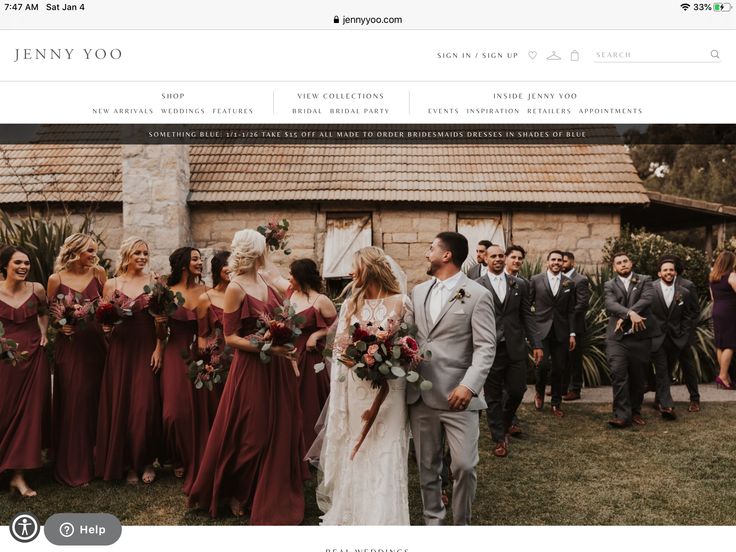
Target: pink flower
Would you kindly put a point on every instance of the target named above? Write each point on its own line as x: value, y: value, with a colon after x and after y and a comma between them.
x: 372, y: 349
x: 369, y: 360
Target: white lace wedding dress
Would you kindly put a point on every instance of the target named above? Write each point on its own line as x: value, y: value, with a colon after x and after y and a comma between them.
x: 371, y: 489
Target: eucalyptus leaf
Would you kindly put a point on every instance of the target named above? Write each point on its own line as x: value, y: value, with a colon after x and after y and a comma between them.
x: 361, y: 346
x: 398, y: 371
x: 198, y: 384
x: 319, y: 367
x: 412, y: 376
x: 266, y: 347
x: 385, y: 370
x: 426, y: 385
x: 146, y: 289
x: 396, y: 352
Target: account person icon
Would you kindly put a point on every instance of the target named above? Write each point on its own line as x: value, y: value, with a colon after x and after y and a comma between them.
x: 553, y: 56
x: 24, y: 527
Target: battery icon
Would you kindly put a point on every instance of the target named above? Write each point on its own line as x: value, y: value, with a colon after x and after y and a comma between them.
x: 722, y: 6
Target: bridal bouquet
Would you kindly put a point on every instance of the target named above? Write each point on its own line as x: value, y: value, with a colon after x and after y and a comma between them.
x: 281, y: 328
x: 275, y: 234
x: 71, y: 309
x: 162, y: 302
x: 114, y: 311
x: 9, y: 349
x: 210, y: 365
x: 379, y: 354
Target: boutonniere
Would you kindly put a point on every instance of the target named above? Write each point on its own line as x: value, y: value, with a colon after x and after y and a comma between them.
x: 634, y: 280
x: 679, y: 300
x: 566, y: 284
x: 512, y: 283
x: 461, y: 295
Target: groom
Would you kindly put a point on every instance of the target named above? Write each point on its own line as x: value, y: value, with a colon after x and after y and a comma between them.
x: 455, y: 321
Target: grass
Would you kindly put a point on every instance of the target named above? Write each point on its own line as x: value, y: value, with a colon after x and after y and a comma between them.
x: 572, y: 471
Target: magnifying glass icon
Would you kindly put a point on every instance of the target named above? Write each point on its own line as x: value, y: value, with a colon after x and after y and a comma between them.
x: 714, y: 54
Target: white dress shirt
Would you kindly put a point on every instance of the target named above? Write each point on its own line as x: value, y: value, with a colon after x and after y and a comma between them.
x: 440, y: 294
x: 626, y: 281
x: 499, y: 285
x: 668, y: 292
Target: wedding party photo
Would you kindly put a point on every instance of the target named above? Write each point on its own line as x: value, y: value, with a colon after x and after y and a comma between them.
x: 381, y: 334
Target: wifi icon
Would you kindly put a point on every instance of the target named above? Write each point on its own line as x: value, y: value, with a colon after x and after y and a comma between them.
x: 685, y: 7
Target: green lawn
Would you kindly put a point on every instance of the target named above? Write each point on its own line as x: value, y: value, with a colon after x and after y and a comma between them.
x: 570, y: 471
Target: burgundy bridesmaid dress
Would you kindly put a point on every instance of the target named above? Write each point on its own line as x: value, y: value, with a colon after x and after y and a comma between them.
x: 206, y: 328
x: 314, y: 388
x: 187, y: 412
x: 78, y: 364
x: 129, y: 420
x: 255, y: 449
x: 24, y: 390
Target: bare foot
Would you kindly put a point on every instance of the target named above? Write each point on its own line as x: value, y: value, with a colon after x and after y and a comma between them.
x: 236, y: 508
x: 132, y: 478
x: 179, y: 472
x: 17, y: 483
x: 149, y: 475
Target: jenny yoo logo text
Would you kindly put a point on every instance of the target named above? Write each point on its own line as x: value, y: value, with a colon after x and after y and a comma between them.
x: 65, y: 54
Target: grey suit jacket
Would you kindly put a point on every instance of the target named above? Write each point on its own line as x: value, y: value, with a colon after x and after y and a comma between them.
x: 462, y: 341
x: 474, y: 272
x: 619, y: 303
x: 674, y: 321
x: 693, y: 303
x: 514, y: 315
x: 554, y: 313
x: 582, y: 301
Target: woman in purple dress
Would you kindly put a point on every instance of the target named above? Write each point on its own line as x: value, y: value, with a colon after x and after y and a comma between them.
x: 319, y: 314
x: 210, y: 307
x: 187, y: 412
x: 79, y: 358
x: 723, y: 292
x: 129, y: 420
x: 253, y: 458
x: 24, y: 385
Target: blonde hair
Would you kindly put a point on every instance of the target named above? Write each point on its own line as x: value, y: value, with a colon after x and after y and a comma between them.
x: 247, y: 251
x: 71, y: 251
x: 370, y: 267
x: 125, y: 251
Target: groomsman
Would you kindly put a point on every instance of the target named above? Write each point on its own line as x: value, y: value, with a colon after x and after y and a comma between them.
x: 689, y: 372
x: 628, y: 339
x: 514, y: 324
x: 553, y: 296
x: 573, y: 382
x: 479, y: 270
x: 674, y: 317
x: 515, y: 256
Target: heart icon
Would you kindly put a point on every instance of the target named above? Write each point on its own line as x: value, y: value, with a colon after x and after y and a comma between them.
x: 532, y: 54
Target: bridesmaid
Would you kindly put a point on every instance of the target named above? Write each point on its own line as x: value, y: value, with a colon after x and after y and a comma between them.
x: 723, y: 293
x: 187, y: 412
x: 79, y: 358
x: 212, y: 301
x: 24, y: 387
x: 319, y: 312
x: 129, y: 420
x: 254, y: 453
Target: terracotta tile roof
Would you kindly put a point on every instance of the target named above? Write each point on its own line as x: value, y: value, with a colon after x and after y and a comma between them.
x: 591, y: 174
x: 68, y: 173
x: 584, y: 174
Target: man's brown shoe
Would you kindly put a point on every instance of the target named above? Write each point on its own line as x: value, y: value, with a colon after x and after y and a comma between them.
x: 557, y: 411
x: 667, y: 413
x: 538, y: 401
x: 571, y: 396
x: 638, y: 420
x: 514, y: 430
x: 618, y: 423
x: 501, y: 450
x: 694, y: 406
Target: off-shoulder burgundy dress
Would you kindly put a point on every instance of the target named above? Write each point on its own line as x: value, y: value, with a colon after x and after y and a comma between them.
x: 255, y: 449
x: 129, y: 420
x: 24, y: 390
x: 206, y: 327
x: 314, y: 387
x: 187, y: 412
x: 78, y: 364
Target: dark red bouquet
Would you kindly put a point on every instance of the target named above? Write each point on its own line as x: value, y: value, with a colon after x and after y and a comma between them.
x: 282, y: 328
x: 275, y: 234
x: 162, y: 302
x: 71, y: 309
x: 379, y: 354
x: 112, y: 312
x: 209, y: 366
x: 9, y: 349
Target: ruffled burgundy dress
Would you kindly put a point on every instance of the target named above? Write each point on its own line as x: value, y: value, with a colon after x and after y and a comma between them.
x: 24, y: 390
x: 255, y: 449
x: 129, y: 420
x: 724, y: 313
x: 314, y: 388
x: 187, y: 412
x: 79, y: 361
x: 206, y: 328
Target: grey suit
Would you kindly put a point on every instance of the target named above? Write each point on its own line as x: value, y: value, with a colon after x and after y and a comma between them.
x: 687, y: 364
x: 474, y: 272
x: 573, y: 380
x: 463, y: 343
x: 671, y: 336
x: 628, y: 354
x: 555, y: 316
x: 515, y: 323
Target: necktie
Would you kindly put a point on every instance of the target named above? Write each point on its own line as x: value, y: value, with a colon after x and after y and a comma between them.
x: 555, y: 284
x: 668, y: 295
x: 435, y: 301
x: 626, y: 285
x: 499, y: 287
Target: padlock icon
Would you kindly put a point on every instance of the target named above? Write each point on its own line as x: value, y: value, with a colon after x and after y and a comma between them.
x: 336, y: 19
x: 574, y: 56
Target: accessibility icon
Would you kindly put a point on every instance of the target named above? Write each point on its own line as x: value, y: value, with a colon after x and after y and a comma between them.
x: 25, y: 527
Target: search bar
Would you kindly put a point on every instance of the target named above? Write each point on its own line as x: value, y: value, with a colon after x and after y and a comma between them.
x: 714, y: 56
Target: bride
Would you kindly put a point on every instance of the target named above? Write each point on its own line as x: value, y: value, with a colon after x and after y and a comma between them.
x: 372, y: 488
